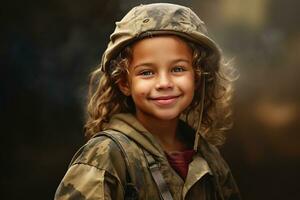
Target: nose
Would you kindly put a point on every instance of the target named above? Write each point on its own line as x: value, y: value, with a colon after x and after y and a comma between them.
x: 164, y: 81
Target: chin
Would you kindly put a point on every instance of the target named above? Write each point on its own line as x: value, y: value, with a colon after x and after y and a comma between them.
x: 167, y: 116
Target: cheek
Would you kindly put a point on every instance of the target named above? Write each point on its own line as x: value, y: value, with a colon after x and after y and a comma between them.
x: 189, y: 87
x: 191, y: 90
x: 139, y: 88
x: 188, y: 83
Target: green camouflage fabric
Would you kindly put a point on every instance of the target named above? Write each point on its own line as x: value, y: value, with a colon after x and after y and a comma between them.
x: 98, y: 170
x: 156, y: 19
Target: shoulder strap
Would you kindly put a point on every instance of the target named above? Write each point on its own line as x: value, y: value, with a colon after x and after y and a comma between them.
x: 131, y: 192
x: 123, y: 142
x: 158, y: 178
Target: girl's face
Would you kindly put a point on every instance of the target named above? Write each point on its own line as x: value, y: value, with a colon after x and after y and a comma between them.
x: 161, y: 77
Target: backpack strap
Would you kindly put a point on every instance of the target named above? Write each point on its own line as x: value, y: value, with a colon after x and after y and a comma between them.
x: 158, y: 178
x: 131, y: 192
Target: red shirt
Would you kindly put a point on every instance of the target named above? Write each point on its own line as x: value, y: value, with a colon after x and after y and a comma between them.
x: 180, y: 160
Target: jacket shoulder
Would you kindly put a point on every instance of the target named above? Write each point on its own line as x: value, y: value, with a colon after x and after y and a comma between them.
x: 225, y: 180
x: 103, y: 153
x: 95, y: 169
x: 213, y: 156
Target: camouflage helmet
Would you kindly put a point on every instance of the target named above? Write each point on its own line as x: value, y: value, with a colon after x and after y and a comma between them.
x: 157, y: 19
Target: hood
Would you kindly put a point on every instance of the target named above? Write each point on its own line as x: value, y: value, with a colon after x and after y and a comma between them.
x: 132, y: 128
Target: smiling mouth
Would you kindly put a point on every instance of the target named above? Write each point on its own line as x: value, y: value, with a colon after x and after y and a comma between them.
x: 164, y: 100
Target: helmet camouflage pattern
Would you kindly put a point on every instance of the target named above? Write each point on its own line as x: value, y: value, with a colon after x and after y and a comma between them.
x: 157, y: 19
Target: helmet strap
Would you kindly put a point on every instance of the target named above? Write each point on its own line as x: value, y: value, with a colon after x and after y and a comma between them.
x: 197, y: 134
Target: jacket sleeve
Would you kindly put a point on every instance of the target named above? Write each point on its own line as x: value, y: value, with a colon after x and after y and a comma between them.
x: 95, y: 174
x: 230, y: 188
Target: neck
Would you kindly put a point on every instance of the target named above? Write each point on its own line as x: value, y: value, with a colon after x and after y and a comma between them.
x: 164, y: 131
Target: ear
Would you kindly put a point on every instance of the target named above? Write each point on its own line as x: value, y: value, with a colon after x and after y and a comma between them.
x: 124, y: 87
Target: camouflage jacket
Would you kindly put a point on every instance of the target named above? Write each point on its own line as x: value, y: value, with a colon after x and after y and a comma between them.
x: 98, y: 170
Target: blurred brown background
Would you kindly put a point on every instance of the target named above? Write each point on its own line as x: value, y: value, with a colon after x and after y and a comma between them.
x: 49, y: 47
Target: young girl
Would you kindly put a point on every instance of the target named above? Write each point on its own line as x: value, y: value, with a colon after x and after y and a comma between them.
x: 158, y: 104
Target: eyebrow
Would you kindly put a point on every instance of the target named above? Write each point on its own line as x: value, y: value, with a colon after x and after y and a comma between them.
x: 149, y: 64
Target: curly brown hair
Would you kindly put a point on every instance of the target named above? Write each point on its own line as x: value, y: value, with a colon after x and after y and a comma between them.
x: 105, y: 98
